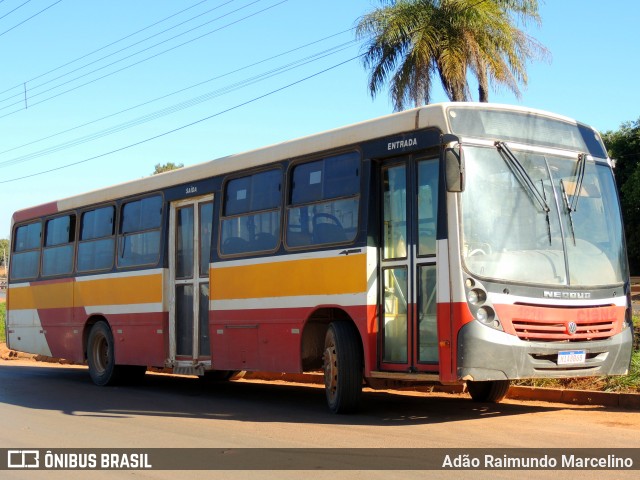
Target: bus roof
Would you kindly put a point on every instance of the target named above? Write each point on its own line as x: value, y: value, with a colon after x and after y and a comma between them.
x: 418, y: 118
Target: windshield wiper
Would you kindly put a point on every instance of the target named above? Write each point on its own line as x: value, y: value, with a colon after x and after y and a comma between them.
x: 525, y: 180
x: 580, y: 169
x: 572, y: 205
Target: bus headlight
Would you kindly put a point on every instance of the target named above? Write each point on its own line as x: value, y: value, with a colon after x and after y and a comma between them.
x: 485, y: 315
x: 472, y: 297
x: 476, y: 297
x: 480, y: 305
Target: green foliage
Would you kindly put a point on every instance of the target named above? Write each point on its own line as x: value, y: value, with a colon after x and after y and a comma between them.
x: 409, y: 42
x: 630, y: 382
x: 4, y: 251
x: 167, y: 167
x: 624, y: 146
x: 3, y: 316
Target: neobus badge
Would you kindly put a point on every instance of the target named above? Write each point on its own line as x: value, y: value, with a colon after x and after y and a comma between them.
x: 565, y: 295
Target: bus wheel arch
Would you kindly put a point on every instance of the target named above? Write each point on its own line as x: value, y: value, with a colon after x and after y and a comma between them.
x: 314, y: 333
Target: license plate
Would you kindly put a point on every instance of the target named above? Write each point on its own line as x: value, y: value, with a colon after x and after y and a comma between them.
x: 572, y: 357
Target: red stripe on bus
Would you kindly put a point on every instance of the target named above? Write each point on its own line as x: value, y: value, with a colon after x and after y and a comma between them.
x: 139, y: 338
x: 271, y: 339
x: 34, y: 212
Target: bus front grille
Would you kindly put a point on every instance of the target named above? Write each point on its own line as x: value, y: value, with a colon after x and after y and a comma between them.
x: 555, y: 330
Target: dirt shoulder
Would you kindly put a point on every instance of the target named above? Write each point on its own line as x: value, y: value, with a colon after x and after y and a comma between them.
x: 580, y: 394
x: 7, y: 354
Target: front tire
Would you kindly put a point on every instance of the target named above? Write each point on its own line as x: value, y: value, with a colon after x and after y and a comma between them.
x: 342, y: 367
x: 492, y: 391
x: 100, y: 355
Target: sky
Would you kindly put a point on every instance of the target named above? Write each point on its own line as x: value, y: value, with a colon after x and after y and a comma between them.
x: 96, y: 93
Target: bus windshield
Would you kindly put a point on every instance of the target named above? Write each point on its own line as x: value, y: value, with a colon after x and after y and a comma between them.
x: 559, y: 225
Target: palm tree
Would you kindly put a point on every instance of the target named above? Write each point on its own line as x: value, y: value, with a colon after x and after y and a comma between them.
x: 411, y: 41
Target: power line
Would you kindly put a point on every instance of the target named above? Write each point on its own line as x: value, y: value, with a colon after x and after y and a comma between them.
x: 155, y: 137
x: 19, y: 6
x: 128, y: 47
x: 135, y: 63
x: 101, y: 48
x: 114, y: 53
x: 32, y: 16
x: 180, y: 106
x: 179, y: 91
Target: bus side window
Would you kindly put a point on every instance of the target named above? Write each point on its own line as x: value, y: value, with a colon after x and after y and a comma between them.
x: 324, y: 201
x: 57, y: 254
x: 25, y: 260
x: 251, y: 213
x: 139, y: 242
x: 97, y: 232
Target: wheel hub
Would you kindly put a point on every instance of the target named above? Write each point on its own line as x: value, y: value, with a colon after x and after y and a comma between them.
x: 330, y: 369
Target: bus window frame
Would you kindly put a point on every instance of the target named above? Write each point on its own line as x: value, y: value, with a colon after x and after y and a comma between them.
x: 32, y: 221
x: 160, y: 229
x: 288, y: 204
x: 74, y: 243
x: 114, y: 235
x: 223, y: 202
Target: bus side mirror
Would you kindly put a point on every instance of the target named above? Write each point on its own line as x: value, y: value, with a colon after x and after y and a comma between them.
x: 454, y: 167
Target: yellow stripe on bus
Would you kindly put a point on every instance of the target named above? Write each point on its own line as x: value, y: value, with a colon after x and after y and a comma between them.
x: 48, y: 295
x: 119, y: 290
x: 107, y: 291
x: 318, y: 276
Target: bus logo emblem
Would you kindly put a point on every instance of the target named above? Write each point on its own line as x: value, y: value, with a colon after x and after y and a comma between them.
x: 572, y: 328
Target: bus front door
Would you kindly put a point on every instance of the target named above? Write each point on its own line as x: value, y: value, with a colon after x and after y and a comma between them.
x: 408, y: 263
x: 190, y: 226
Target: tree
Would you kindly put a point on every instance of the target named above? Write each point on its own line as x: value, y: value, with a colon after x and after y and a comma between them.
x: 411, y: 41
x: 624, y: 146
x: 166, y: 167
x: 4, y: 254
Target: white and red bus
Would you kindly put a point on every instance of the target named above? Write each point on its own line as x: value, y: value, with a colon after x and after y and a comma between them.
x: 451, y: 243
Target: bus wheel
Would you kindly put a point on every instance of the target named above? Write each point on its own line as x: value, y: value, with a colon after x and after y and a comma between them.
x: 492, y: 391
x: 342, y: 367
x: 100, y: 355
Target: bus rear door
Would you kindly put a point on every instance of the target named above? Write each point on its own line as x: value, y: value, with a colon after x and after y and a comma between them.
x: 189, y: 246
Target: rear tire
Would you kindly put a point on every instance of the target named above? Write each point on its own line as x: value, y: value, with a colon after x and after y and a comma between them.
x: 100, y: 355
x: 342, y: 367
x: 492, y: 391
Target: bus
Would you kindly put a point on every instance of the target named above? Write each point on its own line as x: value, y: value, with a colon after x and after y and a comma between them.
x: 455, y: 243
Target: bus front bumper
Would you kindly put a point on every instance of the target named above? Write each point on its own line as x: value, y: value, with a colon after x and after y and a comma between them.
x: 488, y: 354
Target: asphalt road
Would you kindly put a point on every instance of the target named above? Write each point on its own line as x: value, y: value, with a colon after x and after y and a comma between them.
x: 58, y: 407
